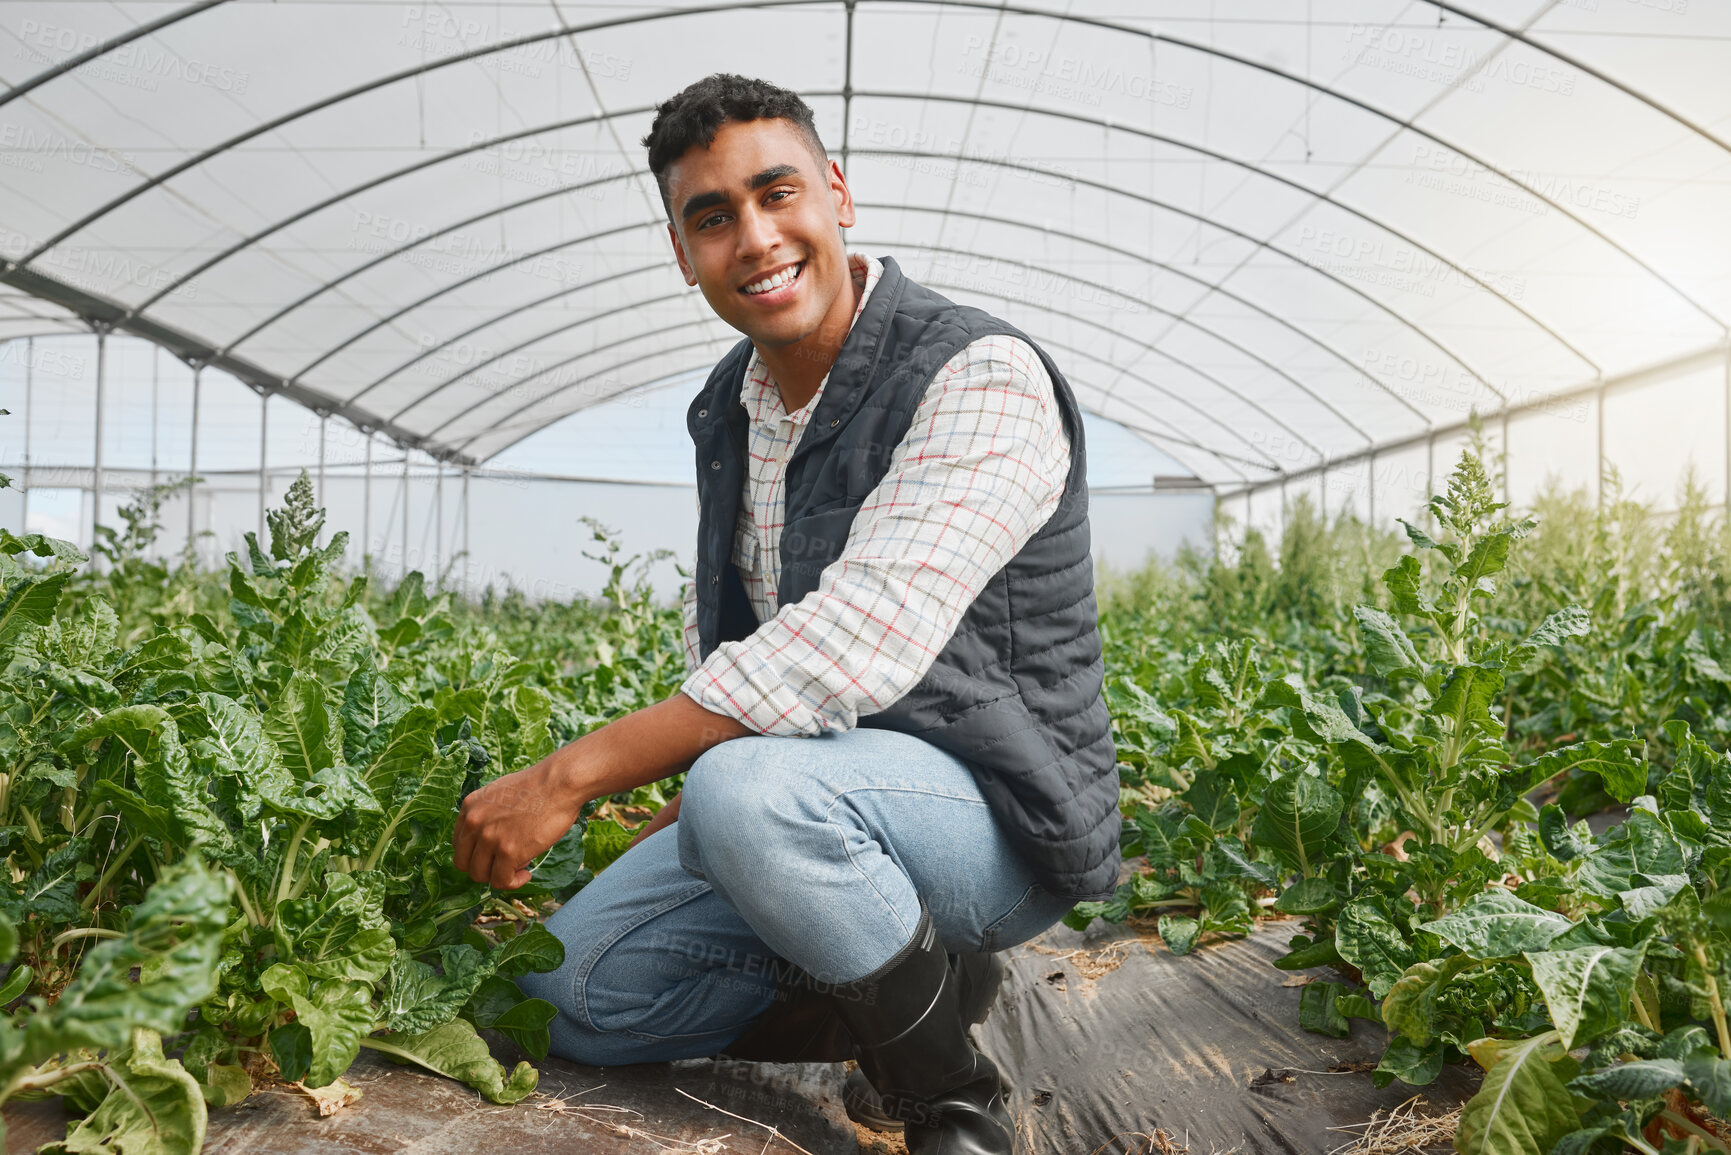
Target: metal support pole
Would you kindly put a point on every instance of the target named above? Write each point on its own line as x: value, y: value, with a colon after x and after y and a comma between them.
x: 1599, y: 472
x: 1508, y: 481
x: 367, y: 507
x: 438, y: 524
x: 1373, y: 489
x: 405, y: 511
x: 322, y: 419
x: 30, y: 412
x: 155, y: 396
x: 192, y: 462
x: 1322, y: 491
x: 97, y: 478
x: 1728, y: 436
x: 263, y: 479
x: 466, y: 591
x: 1429, y: 474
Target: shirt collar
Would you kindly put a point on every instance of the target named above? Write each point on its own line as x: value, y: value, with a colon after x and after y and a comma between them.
x: 759, y: 393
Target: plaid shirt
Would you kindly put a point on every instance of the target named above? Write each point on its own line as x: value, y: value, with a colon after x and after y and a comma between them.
x: 980, y: 471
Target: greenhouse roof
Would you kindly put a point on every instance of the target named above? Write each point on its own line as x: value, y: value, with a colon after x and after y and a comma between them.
x: 1265, y: 236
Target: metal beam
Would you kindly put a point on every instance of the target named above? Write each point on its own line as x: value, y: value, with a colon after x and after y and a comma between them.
x: 103, y: 49
x: 102, y: 310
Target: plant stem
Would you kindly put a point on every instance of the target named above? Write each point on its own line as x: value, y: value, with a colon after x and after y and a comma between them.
x: 1707, y: 1137
x: 67, y: 936
x: 286, y: 880
x: 1714, y: 1002
x: 114, y: 867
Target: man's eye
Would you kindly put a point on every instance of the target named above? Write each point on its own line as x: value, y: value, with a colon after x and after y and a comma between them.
x: 704, y: 223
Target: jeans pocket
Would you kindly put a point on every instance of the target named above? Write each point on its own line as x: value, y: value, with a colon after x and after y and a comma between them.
x: 1034, y: 912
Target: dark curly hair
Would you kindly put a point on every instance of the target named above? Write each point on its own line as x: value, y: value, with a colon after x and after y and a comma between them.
x: 693, y: 117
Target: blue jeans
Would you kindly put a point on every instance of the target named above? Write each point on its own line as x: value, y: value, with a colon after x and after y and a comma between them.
x: 814, y: 851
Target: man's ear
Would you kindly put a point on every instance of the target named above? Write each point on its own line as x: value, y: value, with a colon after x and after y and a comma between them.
x: 844, y: 214
x: 679, y: 255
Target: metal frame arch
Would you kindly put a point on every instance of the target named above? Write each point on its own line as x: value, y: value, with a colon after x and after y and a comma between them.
x: 502, y: 354
x: 433, y: 350
x: 72, y: 63
x: 1002, y: 7
x: 1343, y: 418
x: 503, y: 424
x: 1194, y: 324
x: 453, y: 287
x: 597, y: 118
x: 1072, y: 316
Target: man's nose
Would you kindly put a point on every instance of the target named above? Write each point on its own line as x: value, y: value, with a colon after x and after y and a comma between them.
x: 756, y: 233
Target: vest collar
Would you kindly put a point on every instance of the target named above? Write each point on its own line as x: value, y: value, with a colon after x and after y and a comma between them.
x: 856, y: 364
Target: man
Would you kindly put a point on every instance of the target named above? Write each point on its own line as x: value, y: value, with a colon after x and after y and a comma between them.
x: 893, y: 731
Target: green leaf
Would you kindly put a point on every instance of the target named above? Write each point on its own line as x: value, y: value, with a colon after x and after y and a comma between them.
x: 301, y: 723
x: 236, y: 743
x: 603, y: 842
x: 1710, y: 1079
x: 536, y: 949
x: 1317, y: 1011
x: 1614, y: 762
x: 1642, y: 1079
x: 338, y: 1016
x: 339, y: 933
x: 1495, y: 924
x: 1179, y: 932
x: 1522, y: 1108
x: 1564, y: 842
x: 1308, y: 896
x: 419, y: 998
x: 1212, y: 799
x: 1466, y: 697
x: 454, y: 1049
x: 499, y: 1005
x: 1586, y: 988
x: 159, y: 1109
x: 1299, y: 812
x: 27, y: 606
x: 174, y: 940
x: 1386, y: 645
x: 1367, y: 938
x: 42, y: 545
x: 1410, y: 1062
x: 1409, y: 1007
x: 1403, y: 580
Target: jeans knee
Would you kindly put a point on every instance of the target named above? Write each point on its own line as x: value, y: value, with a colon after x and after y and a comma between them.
x: 731, y: 787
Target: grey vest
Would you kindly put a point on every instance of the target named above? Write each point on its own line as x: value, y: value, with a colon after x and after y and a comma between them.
x: 1016, y: 692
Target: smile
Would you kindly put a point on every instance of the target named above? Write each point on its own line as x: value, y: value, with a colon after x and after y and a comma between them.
x: 782, y: 280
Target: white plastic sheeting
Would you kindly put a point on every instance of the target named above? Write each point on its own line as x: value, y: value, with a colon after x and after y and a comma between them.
x: 1269, y: 237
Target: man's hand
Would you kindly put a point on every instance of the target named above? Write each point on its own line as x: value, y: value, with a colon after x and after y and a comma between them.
x: 511, y: 821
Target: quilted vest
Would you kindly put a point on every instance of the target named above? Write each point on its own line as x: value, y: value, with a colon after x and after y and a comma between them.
x: 1016, y: 691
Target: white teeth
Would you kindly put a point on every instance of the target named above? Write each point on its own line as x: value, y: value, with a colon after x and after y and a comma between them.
x: 776, y: 281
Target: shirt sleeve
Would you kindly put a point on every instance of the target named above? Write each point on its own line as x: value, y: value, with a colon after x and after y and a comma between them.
x: 688, y: 612
x: 980, y: 471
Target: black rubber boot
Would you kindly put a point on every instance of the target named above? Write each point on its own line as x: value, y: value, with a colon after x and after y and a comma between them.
x: 801, y: 1026
x: 978, y: 977
x: 911, y: 1042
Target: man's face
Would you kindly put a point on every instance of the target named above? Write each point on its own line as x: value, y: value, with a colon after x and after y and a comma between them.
x: 756, y: 205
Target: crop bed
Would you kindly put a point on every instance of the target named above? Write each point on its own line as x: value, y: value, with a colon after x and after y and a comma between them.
x: 227, y: 800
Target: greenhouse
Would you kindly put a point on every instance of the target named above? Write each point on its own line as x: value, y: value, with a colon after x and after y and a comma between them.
x: 932, y: 576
